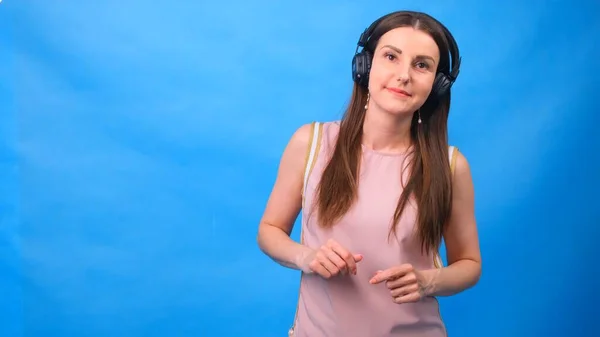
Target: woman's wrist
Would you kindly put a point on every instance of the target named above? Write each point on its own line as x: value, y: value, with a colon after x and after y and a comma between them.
x: 301, y: 257
x: 430, y: 282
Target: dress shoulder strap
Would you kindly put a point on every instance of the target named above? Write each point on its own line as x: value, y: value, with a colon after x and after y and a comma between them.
x: 452, y: 152
x: 312, y: 152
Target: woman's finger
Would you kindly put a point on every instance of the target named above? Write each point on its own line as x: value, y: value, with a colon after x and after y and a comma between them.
x: 344, y: 254
x: 407, y: 279
x: 336, y: 259
x: 412, y: 297
x: 323, y: 259
x: 406, y: 290
x: 319, y: 269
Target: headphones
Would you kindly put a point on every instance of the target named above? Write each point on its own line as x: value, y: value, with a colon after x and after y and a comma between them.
x: 361, y: 62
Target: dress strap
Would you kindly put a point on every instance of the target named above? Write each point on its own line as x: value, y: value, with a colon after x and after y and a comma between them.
x: 452, y: 153
x: 312, y: 153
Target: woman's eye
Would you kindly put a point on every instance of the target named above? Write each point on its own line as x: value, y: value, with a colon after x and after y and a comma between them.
x: 390, y: 57
x: 422, y: 65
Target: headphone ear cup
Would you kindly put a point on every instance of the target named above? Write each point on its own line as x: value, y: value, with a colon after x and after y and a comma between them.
x: 441, y: 85
x: 361, y: 66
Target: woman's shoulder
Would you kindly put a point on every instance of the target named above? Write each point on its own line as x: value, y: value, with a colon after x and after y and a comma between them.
x: 317, y: 129
x: 460, y: 164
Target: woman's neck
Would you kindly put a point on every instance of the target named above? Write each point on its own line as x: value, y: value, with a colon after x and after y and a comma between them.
x: 386, y: 132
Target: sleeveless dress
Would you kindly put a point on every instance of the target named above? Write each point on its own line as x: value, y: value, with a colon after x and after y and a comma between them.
x: 349, y: 306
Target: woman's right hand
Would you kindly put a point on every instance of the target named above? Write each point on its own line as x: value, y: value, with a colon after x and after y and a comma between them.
x: 330, y: 260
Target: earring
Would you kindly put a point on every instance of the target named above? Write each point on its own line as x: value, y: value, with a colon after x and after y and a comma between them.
x: 419, y: 116
x: 367, y: 104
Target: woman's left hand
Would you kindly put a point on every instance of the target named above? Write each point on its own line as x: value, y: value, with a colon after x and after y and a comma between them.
x: 405, y: 283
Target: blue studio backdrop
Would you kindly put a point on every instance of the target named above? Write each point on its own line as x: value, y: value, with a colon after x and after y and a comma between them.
x: 139, y: 142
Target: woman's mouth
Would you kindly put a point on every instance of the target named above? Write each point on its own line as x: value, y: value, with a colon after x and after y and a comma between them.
x: 399, y: 92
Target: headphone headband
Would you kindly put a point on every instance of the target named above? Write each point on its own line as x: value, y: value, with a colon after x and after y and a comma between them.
x: 366, y: 34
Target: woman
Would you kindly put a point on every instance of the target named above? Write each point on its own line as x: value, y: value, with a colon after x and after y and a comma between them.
x: 379, y: 191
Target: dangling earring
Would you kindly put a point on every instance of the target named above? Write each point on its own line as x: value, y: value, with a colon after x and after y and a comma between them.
x: 367, y: 104
x: 419, y: 116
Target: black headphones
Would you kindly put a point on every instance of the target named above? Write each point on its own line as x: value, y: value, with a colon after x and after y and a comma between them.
x: 361, y: 62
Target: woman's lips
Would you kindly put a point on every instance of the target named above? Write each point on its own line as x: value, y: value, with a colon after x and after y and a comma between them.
x: 399, y: 92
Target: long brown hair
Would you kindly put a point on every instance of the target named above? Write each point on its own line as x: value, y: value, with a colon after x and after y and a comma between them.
x: 429, y: 182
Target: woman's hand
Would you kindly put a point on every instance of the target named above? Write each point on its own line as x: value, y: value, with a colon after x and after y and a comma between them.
x: 407, y: 284
x: 330, y: 260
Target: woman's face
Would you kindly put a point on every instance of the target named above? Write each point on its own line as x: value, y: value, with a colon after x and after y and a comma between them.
x: 402, y: 71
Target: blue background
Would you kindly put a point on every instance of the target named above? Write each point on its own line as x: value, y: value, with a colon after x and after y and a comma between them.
x: 139, y: 142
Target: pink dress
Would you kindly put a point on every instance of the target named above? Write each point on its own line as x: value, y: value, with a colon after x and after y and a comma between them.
x: 349, y: 306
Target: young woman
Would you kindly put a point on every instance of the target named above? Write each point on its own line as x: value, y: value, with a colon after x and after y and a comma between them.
x: 379, y: 191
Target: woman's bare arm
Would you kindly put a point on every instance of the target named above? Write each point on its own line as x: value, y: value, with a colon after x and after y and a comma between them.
x: 462, y: 242
x: 285, y: 203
